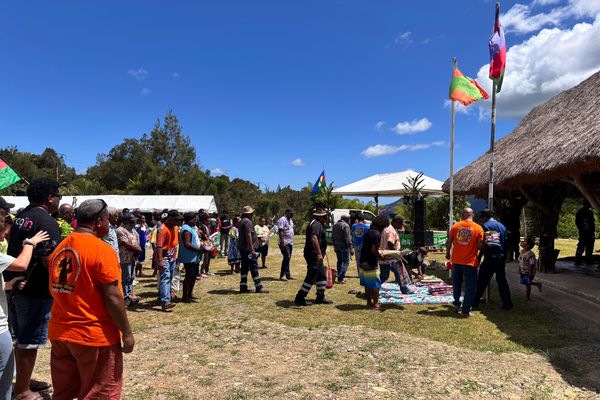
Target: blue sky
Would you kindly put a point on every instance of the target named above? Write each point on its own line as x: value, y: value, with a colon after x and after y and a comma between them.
x: 273, y: 91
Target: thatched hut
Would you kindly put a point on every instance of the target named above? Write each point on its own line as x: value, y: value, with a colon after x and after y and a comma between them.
x: 554, y: 152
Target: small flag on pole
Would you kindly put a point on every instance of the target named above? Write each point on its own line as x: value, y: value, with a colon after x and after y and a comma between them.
x: 8, y: 176
x: 321, y: 183
x: 465, y: 90
x: 497, y: 46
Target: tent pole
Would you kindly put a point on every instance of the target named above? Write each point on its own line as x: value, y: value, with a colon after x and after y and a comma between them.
x: 377, y: 204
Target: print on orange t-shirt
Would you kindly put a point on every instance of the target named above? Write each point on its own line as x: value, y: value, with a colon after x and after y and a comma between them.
x: 466, y: 235
x: 79, y: 267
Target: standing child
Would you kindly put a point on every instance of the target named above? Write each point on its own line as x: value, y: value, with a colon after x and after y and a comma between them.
x: 233, y: 255
x: 527, y: 267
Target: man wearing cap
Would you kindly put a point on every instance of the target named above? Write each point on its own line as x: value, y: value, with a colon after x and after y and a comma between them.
x: 189, y: 254
x: 246, y: 244
x: 342, y: 245
x: 5, y: 216
x: 5, y: 207
x: 494, y: 255
x: 285, y: 226
x: 314, y: 251
x: 88, y: 319
x: 129, y: 248
x: 165, y: 256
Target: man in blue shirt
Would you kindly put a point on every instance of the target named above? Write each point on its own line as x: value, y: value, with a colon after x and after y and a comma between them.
x: 494, y: 238
x: 359, y: 230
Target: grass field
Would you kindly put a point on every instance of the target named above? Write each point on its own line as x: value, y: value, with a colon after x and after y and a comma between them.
x: 251, y: 346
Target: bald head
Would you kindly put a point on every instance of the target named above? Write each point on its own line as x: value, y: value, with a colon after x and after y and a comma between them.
x: 467, y: 214
x: 65, y: 211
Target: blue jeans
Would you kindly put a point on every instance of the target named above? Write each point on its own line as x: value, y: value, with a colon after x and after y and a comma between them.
x: 7, y: 365
x: 127, y: 271
x: 384, y: 274
x: 343, y: 261
x: 469, y: 275
x: 286, y: 252
x: 164, y: 283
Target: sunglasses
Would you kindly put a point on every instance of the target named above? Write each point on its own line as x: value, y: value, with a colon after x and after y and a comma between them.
x: 104, y: 207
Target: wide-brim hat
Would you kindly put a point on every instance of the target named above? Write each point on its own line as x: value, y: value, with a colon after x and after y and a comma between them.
x: 247, y: 210
x: 5, y: 204
x: 319, y: 212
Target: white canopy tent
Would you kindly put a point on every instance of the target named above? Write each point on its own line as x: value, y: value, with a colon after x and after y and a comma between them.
x: 144, y: 203
x: 389, y: 185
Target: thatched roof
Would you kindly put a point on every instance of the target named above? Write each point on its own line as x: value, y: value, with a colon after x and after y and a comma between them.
x: 556, y: 140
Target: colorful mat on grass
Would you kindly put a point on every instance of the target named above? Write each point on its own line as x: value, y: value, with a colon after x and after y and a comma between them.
x: 390, y: 294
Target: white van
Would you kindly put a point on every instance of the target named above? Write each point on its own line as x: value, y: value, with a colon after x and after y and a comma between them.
x: 336, y: 214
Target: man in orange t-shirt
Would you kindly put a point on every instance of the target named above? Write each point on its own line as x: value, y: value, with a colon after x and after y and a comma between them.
x: 464, y: 242
x: 165, y: 257
x: 88, y: 313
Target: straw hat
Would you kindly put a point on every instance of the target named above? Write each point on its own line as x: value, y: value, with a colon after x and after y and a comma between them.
x: 319, y: 212
x: 247, y: 210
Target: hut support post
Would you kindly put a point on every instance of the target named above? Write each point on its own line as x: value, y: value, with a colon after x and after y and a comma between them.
x: 580, y: 185
x: 549, y: 201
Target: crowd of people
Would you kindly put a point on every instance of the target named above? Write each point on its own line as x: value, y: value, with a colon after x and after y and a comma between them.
x: 69, y: 275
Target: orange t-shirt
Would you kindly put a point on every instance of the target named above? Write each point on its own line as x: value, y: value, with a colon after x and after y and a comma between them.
x: 168, y: 239
x: 465, y: 235
x: 79, y: 267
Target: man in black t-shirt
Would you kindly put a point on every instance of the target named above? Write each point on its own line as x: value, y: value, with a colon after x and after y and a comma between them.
x: 247, y: 244
x: 31, y: 306
x: 225, y: 228
x: 314, y: 251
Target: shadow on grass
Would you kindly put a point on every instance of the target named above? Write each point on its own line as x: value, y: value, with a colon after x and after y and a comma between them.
x: 223, y: 291
x: 290, y: 304
x: 446, y: 312
x: 571, y: 346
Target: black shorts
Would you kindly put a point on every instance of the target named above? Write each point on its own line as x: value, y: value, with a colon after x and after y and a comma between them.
x: 264, y: 249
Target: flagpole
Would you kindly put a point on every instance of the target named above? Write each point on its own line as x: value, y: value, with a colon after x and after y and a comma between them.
x: 451, y: 208
x: 492, y: 135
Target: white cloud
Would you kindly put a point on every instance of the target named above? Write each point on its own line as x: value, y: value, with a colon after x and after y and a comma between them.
x: 544, y: 65
x: 379, y: 150
x: 458, y: 107
x: 379, y: 126
x: 145, y: 92
x: 403, y: 38
x: 175, y: 75
x: 216, y: 172
x: 431, y: 39
x: 544, y: 2
x: 298, y: 162
x: 409, y: 128
x: 520, y: 19
x: 139, y: 74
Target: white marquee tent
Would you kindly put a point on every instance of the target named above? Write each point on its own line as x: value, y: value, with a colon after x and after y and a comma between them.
x: 144, y: 203
x: 390, y: 185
